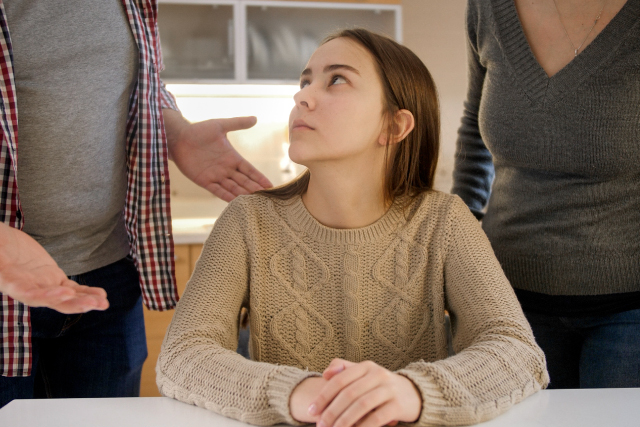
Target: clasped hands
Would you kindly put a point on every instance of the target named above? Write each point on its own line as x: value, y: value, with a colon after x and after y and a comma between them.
x: 355, y: 394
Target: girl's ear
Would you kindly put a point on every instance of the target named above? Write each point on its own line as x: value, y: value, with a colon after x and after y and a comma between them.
x: 403, y: 124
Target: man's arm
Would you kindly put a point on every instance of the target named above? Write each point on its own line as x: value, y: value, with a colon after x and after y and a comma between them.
x: 204, y: 154
x: 29, y: 275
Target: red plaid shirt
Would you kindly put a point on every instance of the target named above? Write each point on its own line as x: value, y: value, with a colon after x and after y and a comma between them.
x: 147, y: 211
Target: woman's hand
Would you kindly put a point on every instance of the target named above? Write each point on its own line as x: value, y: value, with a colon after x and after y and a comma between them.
x: 364, y: 394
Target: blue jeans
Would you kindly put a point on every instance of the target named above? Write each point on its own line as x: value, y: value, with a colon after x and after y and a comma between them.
x: 243, y: 343
x: 95, y: 354
x: 590, y: 352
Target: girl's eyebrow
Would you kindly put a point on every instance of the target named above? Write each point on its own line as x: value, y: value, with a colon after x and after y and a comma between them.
x: 308, y: 72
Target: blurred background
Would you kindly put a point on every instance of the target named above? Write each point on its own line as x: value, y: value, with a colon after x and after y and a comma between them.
x: 241, y: 57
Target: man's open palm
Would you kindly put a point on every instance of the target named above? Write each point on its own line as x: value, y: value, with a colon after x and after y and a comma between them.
x: 28, y: 274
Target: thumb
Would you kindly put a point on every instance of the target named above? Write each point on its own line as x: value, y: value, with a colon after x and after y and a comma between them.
x: 236, y: 123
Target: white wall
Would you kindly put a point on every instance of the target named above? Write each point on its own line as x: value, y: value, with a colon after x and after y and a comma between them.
x: 434, y: 30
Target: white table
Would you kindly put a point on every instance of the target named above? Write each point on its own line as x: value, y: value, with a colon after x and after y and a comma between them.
x: 549, y: 408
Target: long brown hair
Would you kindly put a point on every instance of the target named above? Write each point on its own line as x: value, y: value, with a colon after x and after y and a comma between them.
x: 407, y: 84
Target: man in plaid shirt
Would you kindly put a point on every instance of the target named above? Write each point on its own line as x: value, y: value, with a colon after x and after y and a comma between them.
x: 90, y: 192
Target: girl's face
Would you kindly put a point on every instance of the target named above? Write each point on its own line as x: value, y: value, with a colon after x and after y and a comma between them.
x: 339, y: 109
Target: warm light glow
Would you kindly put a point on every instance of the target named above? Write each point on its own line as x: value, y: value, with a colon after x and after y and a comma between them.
x: 233, y: 91
x: 265, y: 145
x: 269, y: 103
x: 190, y: 223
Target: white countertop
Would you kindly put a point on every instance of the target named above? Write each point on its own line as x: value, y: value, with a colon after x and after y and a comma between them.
x: 193, y: 218
x: 548, y: 408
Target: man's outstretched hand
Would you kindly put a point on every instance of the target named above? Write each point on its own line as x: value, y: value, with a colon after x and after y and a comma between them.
x: 203, y: 154
x: 28, y: 274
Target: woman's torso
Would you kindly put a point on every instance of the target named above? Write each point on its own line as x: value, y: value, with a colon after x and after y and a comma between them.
x: 564, y: 213
x: 554, y: 29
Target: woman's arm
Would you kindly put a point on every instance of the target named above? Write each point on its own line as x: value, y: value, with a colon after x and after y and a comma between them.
x: 473, y: 172
x: 498, y: 362
x: 198, y: 363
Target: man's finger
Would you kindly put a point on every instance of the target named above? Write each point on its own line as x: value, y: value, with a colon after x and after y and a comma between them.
x: 236, y: 123
x: 81, y: 304
x: 68, y: 298
x: 232, y: 187
x: 217, y: 190
x: 245, y: 182
x: 254, y: 174
x: 85, y: 290
x: 44, y: 297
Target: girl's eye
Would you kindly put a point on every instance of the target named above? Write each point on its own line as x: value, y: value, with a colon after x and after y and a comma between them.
x: 338, y: 80
x: 304, y: 83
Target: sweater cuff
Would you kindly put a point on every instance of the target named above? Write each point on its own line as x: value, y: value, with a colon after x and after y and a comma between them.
x: 433, y: 401
x: 280, y: 387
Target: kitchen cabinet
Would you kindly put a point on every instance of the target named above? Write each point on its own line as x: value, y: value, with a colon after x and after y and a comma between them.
x: 197, y: 40
x: 355, y: 1
x: 157, y: 322
x: 258, y: 41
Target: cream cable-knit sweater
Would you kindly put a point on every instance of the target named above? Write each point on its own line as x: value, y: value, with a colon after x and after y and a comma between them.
x: 375, y: 293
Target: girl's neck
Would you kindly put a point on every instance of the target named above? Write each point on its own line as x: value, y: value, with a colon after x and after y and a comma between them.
x: 348, y: 198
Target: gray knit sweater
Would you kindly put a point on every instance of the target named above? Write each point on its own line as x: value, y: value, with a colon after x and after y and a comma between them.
x: 564, y: 211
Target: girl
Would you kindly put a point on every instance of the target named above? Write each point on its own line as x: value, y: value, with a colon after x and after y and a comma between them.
x: 347, y: 271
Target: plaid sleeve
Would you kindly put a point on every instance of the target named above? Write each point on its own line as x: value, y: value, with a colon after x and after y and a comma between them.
x: 15, y: 345
x: 167, y: 100
x: 147, y: 208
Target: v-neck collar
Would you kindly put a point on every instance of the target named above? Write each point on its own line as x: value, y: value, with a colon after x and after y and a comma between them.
x: 534, y: 80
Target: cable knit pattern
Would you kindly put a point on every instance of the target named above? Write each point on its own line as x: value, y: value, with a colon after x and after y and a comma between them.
x: 374, y: 293
x: 302, y: 324
x: 402, y: 312
x: 351, y: 304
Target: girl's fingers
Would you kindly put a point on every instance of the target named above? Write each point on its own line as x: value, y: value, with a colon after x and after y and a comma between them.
x: 358, y: 409
x: 335, y: 386
x: 349, y: 402
x: 335, y: 367
x: 384, y: 415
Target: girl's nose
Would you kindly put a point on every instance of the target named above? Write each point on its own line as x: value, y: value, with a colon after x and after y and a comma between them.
x: 305, y: 97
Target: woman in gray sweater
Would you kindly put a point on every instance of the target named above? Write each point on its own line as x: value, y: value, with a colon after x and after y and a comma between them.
x: 553, y: 112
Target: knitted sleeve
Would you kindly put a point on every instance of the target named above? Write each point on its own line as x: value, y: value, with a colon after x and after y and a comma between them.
x: 198, y: 363
x: 473, y: 172
x: 497, y: 361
